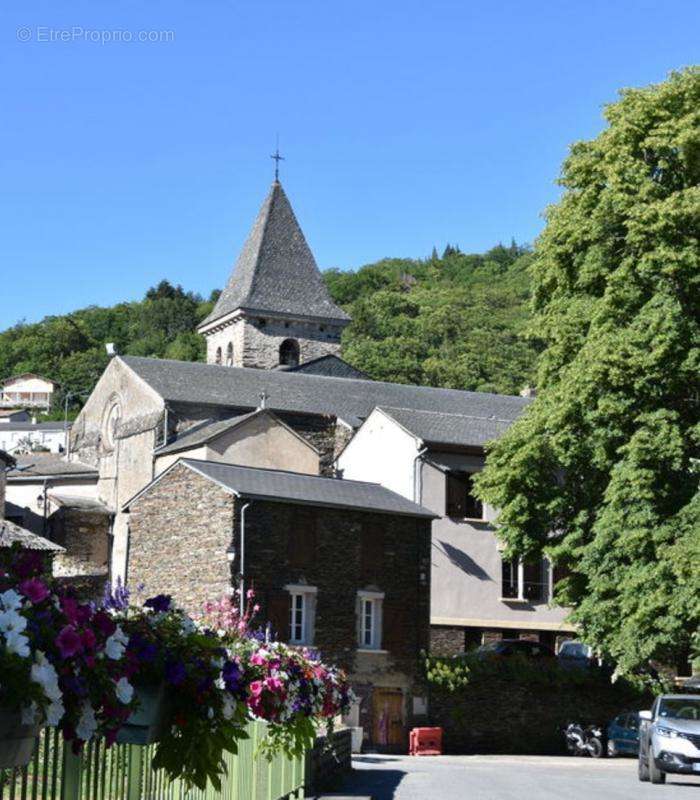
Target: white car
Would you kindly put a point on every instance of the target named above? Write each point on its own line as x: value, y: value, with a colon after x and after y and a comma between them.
x: 669, y: 737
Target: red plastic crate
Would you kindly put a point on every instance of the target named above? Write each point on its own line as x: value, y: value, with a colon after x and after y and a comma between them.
x: 425, y: 742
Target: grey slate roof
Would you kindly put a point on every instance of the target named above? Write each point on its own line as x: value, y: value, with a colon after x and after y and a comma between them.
x: 11, y: 534
x: 276, y: 270
x: 295, y: 487
x: 37, y: 465
x: 439, y: 428
x: 350, y: 399
x: 202, y: 433
x: 332, y: 366
x: 34, y: 426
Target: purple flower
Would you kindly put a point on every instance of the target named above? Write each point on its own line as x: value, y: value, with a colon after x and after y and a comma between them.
x: 159, y: 603
x: 68, y: 642
x: 175, y: 672
x: 115, y: 598
x: 231, y: 673
x: 104, y: 623
x: 34, y: 589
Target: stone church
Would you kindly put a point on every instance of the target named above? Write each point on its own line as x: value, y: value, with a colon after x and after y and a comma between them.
x: 189, y: 456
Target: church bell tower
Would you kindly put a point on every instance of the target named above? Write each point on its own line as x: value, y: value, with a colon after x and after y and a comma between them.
x: 275, y: 311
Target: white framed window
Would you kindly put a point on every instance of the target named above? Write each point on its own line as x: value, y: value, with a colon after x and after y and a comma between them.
x: 302, y: 613
x: 370, y: 620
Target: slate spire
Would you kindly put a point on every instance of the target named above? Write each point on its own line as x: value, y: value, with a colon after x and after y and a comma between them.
x: 276, y: 271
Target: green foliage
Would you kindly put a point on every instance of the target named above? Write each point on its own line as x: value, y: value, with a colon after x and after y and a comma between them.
x: 602, y: 472
x: 458, y: 321
x: 70, y: 349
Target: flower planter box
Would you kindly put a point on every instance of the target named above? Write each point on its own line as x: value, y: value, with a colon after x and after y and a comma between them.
x: 147, y: 724
x: 16, y: 739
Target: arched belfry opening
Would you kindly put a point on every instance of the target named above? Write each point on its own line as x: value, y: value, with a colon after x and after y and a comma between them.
x: 276, y: 290
x: 229, y: 355
x: 289, y: 353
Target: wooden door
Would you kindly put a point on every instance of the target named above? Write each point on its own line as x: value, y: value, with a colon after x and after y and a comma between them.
x: 387, y: 718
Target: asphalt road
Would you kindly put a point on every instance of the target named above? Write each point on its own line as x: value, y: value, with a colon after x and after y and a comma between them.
x: 507, y: 778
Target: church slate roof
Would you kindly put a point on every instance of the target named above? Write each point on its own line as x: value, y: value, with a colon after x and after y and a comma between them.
x: 294, y: 487
x: 349, y: 399
x: 276, y: 271
x: 436, y: 428
x: 331, y: 365
x: 210, y: 429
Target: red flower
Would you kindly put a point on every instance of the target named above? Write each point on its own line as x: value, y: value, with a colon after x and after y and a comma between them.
x: 104, y: 623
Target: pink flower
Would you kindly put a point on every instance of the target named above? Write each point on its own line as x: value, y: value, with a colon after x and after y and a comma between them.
x: 257, y: 660
x: 274, y: 685
x: 34, y: 589
x: 68, y: 642
x: 256, y: 688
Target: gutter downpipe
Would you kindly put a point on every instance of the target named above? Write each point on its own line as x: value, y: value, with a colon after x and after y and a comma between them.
x: 418, y: 457
x: 241, y: 585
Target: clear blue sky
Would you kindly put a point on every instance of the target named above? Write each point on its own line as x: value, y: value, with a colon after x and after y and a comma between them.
x: 404, y: 124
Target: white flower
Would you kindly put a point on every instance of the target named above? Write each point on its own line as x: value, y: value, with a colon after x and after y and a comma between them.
x: 125, y: 691
x: 228, y: 706
x: 10, y: 600
x: 12, y: 621
x: 45, y: 675
x: 54, y: 713
x: 87, y: 724
x: 187, y: 625
x: 17, y: 643
x: 210, y: 713
x: 116, y: 644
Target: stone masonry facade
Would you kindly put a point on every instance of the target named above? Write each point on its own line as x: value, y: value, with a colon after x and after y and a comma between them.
x: 181, y: 527
x: 256, y: 340
x: 179, y: 531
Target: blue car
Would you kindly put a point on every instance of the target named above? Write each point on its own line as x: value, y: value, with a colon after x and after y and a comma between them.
x: 623, y: 735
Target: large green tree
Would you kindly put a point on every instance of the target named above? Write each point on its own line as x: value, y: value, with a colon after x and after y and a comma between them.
x: 602, y: 471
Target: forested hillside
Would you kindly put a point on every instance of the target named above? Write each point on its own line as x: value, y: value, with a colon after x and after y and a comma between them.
x: 458, y: 320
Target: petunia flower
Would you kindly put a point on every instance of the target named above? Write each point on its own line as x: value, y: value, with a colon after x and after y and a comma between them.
x: 68, y: 642
x: 34, y: 589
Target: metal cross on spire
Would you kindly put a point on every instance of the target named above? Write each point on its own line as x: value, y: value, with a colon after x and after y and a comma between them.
x: 277, y: 158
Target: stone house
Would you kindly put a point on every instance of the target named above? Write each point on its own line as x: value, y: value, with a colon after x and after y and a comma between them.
x: 339, y: 565
x: 10, y: 532
x: 477, y: 595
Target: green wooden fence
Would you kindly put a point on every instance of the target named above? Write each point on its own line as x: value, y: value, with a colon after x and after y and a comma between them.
x: 123, y: 772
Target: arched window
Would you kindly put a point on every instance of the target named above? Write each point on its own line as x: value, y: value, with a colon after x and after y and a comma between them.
x: 217, y: 360
x: 229, y: 355
x: 289, y: 353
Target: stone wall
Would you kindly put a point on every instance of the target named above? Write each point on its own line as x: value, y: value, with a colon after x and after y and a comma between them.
x: 526, y: 714
x: 85, y: 535
x: 446, y: 641
x: 337, y: 572
x: 179, y: 531
x: 256, y: 340
x: 328, y: 762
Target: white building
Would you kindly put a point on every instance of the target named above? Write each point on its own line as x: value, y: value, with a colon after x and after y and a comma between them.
x: 27, y: 437
x: 27, y: 390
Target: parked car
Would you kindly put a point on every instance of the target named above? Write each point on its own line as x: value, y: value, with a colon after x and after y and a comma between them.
x: 669, y: 737
x: 511, y: 647
x: 623, y: 734
x: 576, y: 655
